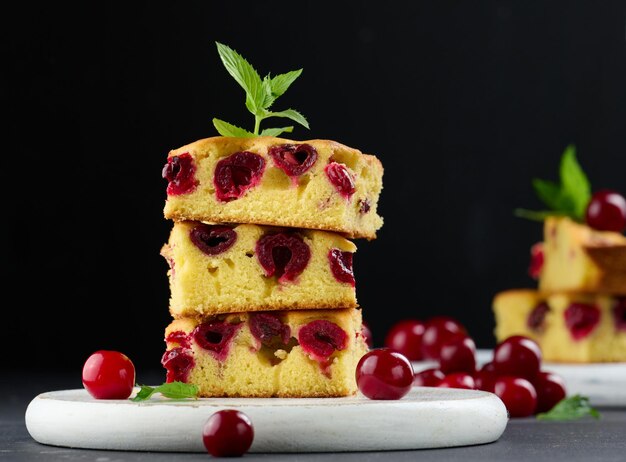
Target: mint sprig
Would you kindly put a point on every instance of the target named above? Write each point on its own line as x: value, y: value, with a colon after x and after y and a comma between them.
x: 571, y: 408
x: 260, y: 95
x: 569, y: 198
x: 172, y: 390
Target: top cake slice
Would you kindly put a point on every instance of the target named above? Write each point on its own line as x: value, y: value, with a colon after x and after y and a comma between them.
x: 314, y: 184
x: 577, y: 258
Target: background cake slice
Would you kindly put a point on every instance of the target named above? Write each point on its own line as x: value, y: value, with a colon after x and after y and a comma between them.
x: 223, y: 269
x: 316, y: 184
x: 578, y: 328
x: 304, y: 353
x: 578, y: 258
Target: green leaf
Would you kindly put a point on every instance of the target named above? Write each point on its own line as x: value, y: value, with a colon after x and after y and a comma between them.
x: 571, y: 408
x: 276, y: 131
x: 245, y: 75
x: 534, y: 215
x: 172, y: 390
x: 290, y: 114
x: 281, y: 82
x: 143, y: 394
x: 226, y: 129
x: 568, y: 198
x: 574, y: 182
x: 548, y: 192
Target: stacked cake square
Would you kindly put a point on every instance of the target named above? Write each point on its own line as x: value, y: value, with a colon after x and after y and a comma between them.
x: 578, y: 312
x: 260, y: 255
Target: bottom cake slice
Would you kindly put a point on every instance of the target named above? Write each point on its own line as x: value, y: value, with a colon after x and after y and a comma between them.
x: 576, y: 328
x: 299, y: 353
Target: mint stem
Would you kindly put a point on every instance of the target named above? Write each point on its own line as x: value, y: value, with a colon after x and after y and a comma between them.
x: 257, y: 124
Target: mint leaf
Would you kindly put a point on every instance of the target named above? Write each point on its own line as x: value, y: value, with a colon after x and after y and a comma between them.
x: 226, y: 129
x: 172, y: 390
x: 569, y: 197
x: 276, y: 131
x: 574, y: 182
x: 260, y: 94
x: 245, y: 75
x: 534, y: 215
x: 280, y: 83
x: 571, y: 408
x: 291, y: 114
x: 548, y: 192
x: 143, y: 394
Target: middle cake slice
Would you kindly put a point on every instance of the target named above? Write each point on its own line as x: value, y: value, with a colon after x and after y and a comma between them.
x: 224, y: 269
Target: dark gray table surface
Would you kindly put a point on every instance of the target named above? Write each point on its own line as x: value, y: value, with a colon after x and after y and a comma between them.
x: 523, y: 440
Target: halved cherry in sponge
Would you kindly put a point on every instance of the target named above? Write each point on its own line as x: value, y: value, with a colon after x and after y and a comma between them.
x: 341, y: 179
x: 212, y: 239
x: 237, y: 173
x: 293, y: 159
x: 322, y: 338
x: 178, y: 362
x: 179, y: 171
x: 283, y: 255
x: 581, y: 319
x: 215, y: 336
x: 341, y: 266
x: 267, y: 328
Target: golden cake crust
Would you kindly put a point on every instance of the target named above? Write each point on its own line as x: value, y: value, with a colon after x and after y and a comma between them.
x: 312, y: 203
x: 250, y: 368
x: 234, y: 281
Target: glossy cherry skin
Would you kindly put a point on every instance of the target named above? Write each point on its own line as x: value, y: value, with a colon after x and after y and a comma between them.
x: 458, y: 355
x: 228, y: 433
x: 517, y: 356
x: 109, y: 375
x: 550, y: 389
x: 437, y: 331
x: 406, y: 337
x: 458, y: 380
x: 428, y: 378
x: 485, y: 380
x: 606, y: 211
x: 383, y: 373
x: 518, y: 395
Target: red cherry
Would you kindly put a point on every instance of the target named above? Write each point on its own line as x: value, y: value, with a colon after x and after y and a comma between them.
x: 227, y: 433
x: 550, y: 389
x: 367, y: 335
x: 485, y: 380
x: 606, y: 211
x: 489, y: 367
x: 536, y: 260
x: 437, y: 331
x: 517, y: 394
x: 458, y: 355
x: 517, y: 356
x: 458, y: 380
x: 428, y: 378
x: 383, y: 373
x: 406, y: 337
x: 109, y: 375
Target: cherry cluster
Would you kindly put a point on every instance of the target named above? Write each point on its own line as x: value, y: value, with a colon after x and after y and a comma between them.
x: 514, y: 374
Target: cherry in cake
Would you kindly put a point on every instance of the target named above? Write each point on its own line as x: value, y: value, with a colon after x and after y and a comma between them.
x: 293, y: 159
x: 341, y: 179
x: 179, y: 171
x: 284, y: 255
x: 237, y: 173
x: 581, y: 319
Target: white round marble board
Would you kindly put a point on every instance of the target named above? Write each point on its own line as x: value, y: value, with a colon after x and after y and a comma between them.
x: 603, y: 383
x: 425, y: 418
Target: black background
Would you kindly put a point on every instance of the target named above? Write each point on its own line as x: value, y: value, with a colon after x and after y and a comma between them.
x: 463, y: 102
